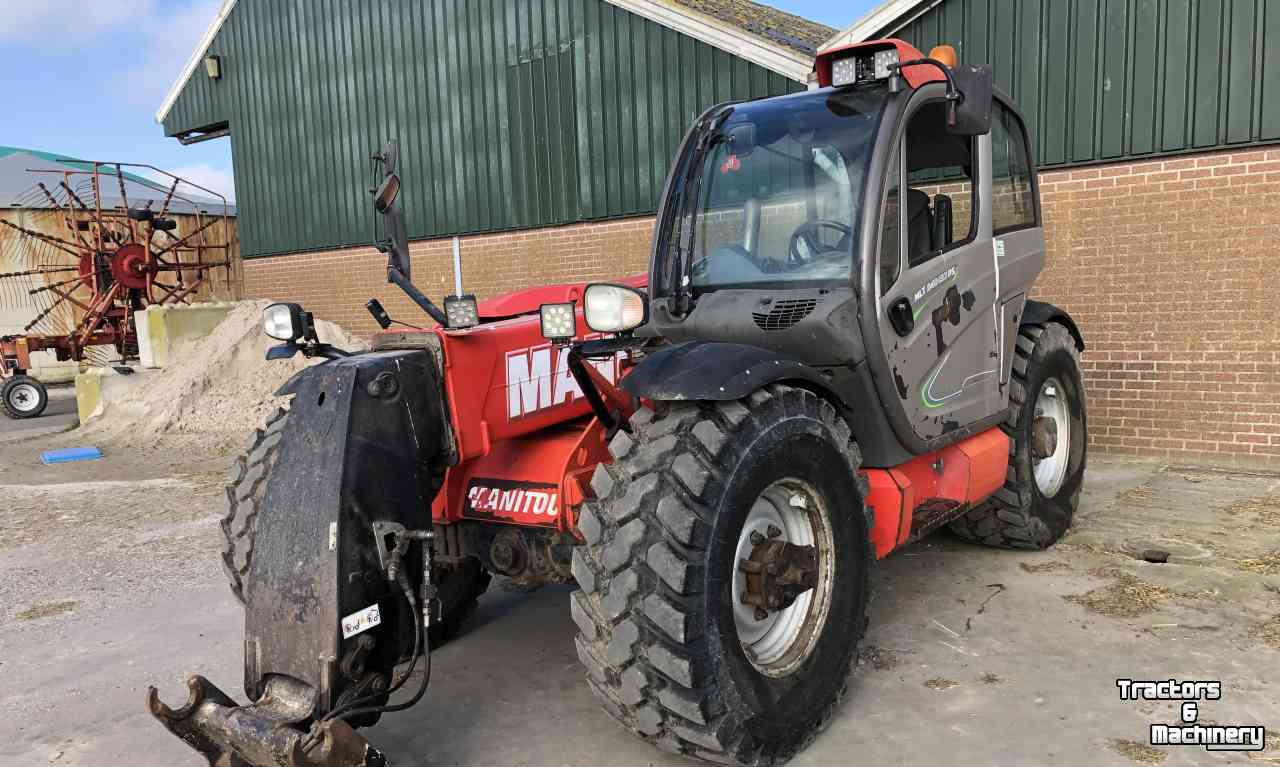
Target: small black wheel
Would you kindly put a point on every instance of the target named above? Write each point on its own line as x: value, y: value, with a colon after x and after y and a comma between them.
x: 23, y: 397
x: 1048, y: 441
x: 724, y: 580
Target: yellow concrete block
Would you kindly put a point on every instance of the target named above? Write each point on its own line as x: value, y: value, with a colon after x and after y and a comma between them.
x: 89, y: 392
x: 162, y: 329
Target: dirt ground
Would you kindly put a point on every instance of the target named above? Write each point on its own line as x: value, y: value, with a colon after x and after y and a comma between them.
x: 110, y: 581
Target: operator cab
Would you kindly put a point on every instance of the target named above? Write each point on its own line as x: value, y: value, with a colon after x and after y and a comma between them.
x: 851, y: 233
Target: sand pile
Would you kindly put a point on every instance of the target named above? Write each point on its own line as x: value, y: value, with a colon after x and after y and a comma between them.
x: 217, y: 389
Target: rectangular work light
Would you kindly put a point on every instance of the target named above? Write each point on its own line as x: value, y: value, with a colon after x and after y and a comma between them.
x: 558, y: 322
x: 461, y: 311
x: 862, y: 68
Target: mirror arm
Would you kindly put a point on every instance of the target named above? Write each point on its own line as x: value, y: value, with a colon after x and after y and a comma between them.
x: 424, y: 303
x: 954, y: 96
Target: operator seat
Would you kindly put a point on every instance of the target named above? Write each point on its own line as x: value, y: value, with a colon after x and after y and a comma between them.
x: 920, y: 230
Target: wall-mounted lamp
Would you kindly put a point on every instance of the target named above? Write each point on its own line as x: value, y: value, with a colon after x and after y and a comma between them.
x: 213, y: 67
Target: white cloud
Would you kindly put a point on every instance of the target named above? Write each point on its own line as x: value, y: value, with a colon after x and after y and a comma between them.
x: 203, y: 174
x: 168, y: 40
x: 69, y: 23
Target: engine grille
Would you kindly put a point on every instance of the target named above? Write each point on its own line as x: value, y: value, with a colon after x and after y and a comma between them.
x: 784, y: 314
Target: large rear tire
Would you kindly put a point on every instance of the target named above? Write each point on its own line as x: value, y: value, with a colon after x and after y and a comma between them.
x: 667, y: 650
x: 1042, y: 488
x: 23, y: 397
x: 459, y: 585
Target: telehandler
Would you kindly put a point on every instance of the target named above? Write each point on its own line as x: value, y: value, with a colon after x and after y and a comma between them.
x: 832, y: 355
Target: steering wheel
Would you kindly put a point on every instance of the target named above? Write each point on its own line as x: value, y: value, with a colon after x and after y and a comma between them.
x: 810, y: 234
x: 701, y: 267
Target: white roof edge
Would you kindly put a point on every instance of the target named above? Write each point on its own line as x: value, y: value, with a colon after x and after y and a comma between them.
x: 874, y: 20
x: 788, y: 63
x: 791, y: 64
x: 194, y: 61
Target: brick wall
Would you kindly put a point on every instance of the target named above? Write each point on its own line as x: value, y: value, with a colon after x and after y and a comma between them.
x: 1169, y: 266
x: 336, y: 284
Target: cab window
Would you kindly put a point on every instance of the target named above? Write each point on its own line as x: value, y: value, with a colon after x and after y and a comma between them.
x: 1012, y: 198
x: 940, y: 193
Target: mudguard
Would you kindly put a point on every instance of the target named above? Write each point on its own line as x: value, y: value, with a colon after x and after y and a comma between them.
x: 1039, y: 312
x: 365, y: 442
x: 363, y: 437
x: 703, y: 370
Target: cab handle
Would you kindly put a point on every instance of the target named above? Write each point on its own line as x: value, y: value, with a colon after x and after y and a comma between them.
x: 900, y: 316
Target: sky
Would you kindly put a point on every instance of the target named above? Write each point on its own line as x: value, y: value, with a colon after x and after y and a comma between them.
x: 84, y: 78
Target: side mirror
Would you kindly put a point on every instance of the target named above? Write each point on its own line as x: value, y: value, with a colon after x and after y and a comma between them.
x: 387, y: 192
x: 385, y: 196
x: 741, y: 139
x: 973, y: 113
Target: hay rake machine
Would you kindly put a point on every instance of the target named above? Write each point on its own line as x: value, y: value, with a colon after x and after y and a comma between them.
x: 88, y: 248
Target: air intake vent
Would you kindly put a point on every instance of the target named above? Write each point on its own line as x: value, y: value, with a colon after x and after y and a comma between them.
x: 784, y: 314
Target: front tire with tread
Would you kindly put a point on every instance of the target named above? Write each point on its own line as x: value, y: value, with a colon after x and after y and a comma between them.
x: 656, y: 628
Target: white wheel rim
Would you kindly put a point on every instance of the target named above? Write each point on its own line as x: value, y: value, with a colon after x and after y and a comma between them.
x: 777, y: 645
x: 24, y: 398
x: 1051, y: 402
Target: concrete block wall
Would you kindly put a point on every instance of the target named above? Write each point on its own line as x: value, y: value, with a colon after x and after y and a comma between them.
x: 1169, y: 266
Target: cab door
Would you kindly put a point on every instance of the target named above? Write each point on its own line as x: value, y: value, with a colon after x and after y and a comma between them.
x: 938, y: 278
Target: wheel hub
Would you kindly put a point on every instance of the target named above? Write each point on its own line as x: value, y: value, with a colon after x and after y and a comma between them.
x: 24, y: 398
x: 777, y: 572
x: 1050, y: 438
x: 782, y: 577
x: 1044, y: 437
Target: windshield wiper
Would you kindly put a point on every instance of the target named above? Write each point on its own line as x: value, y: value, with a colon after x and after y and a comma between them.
x: 711, y: 136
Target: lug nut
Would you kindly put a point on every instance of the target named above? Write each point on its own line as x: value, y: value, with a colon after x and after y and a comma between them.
x: 761, y: 613
x: 774, y: 532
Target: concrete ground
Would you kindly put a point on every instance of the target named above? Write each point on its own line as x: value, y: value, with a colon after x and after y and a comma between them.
x: 109, y: 581
x: 59, y: 416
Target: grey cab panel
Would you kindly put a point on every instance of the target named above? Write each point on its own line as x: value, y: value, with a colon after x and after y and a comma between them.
x: 949, y: 288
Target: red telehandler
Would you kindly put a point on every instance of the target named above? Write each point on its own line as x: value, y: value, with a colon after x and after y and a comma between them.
x: 833, y: 354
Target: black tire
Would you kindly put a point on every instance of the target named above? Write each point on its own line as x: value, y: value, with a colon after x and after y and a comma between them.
x: 459, y: 586
x: 16, y: 397
x: 1019, y: 516
x: 656, y: 627
x: 246, y: 489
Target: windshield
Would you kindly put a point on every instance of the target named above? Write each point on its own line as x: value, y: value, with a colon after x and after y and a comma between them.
x: 779, y: 189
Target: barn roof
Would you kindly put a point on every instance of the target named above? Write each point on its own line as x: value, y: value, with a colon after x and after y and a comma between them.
x: 21, y: 169
x: 786, y: 29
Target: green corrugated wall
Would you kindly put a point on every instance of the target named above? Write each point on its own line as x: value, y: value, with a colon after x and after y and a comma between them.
x: 1106, y: 80
x: 510, y: 113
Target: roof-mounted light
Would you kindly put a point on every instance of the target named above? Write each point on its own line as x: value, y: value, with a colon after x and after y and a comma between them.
x: 863, y: 67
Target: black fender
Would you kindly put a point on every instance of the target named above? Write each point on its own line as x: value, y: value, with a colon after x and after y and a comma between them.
x: 705, y: 370
x: 364, y: 435
x: 1039, y: 312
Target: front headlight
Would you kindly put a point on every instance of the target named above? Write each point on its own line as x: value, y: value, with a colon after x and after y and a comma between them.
x: 614, y: 308
x: 283, y: 322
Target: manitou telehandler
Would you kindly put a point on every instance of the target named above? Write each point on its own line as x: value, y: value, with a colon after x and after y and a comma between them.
x: 833, y: 354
